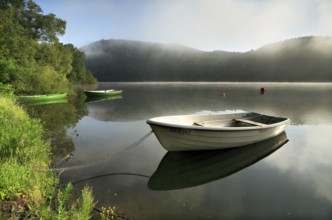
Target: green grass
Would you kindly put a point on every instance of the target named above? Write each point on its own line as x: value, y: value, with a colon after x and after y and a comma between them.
x: 28, y: 189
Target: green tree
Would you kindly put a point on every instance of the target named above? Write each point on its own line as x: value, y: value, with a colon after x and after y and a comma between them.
x: 31, y: 57
x: 79, y: 73
x: 40, y: 79
x: 8, y: 68
x: 13, y: 45
x: 35, y: 25
x: 57, y: 55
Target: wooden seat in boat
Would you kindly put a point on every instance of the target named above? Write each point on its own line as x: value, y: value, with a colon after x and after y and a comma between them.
x: 249, y: 122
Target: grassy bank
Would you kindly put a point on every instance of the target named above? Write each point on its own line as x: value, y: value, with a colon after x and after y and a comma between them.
x: 28, y: 189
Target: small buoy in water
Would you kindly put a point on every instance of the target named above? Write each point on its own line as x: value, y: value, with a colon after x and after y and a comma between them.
x: 262, y: 91
x: 223, y: 94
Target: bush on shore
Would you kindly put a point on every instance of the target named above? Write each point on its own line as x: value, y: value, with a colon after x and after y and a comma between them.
x: 28, y: 188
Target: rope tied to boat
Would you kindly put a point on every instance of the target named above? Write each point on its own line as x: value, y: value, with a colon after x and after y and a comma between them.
x: 109, y: 157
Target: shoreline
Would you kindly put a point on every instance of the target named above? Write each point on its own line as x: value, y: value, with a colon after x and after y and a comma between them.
x: 223, y: 83
x: 25, y: 193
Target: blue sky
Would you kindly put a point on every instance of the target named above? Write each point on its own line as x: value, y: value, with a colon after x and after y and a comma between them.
x: 231, y: 25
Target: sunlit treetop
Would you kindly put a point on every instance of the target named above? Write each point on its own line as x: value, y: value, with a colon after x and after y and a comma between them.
x: 35, y: 25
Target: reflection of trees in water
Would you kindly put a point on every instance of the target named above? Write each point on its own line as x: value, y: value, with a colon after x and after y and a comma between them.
x: 61, y: 143
x: 56, y: 118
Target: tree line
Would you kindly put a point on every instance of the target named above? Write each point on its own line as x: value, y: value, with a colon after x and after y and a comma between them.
x: 32, y: 59
x: 304, y: 59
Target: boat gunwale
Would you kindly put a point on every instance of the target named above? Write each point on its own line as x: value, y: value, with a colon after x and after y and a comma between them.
x: 102, y: 91
x: 153, y: 121
x: 44, y: 97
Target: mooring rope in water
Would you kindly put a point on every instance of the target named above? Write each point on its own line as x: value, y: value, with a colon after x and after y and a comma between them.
x: 109, y: 157
x: 108, y: 175
x: 66, y: 158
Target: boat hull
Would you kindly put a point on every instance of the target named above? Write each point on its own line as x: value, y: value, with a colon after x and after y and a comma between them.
x: 102, y: 93
x: 42, y: 97
x: 177, y: 137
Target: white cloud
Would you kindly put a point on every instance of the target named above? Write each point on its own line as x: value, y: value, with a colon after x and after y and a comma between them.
x: 306, y: 160
x: 234, y: 24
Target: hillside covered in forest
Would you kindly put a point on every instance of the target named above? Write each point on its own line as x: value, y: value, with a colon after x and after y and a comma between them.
x: 305, y: 59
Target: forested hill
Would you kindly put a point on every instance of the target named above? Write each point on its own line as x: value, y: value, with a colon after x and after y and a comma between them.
x: 306, y: 59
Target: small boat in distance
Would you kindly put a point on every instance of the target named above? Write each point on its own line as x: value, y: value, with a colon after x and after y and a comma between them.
x: 42, y: 97
x: 215, y: 131
x: 102, y: 93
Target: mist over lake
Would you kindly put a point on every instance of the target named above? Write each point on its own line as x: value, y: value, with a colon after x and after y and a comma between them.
x: 303, y: 59
x: 290, y: 181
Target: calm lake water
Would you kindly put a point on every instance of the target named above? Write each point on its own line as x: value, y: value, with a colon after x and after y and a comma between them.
x: 286, y: 181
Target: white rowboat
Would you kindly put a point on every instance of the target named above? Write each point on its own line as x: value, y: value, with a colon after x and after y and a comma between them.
x: 215, y: 131
x: 102, y: 93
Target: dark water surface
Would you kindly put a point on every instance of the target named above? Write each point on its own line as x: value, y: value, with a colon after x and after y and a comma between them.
x: 271, y: 180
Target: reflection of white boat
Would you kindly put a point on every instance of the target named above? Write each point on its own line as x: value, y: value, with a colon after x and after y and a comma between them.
x: 215, y: 131
x: 185, y: 169
x: 102, y: 98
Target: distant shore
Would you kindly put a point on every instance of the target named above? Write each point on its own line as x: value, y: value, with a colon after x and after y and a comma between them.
x: 224, y: 83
